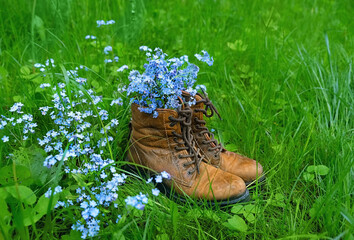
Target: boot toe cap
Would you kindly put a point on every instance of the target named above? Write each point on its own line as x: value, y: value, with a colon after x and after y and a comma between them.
x: 244, y: 167
x: 227, y: 186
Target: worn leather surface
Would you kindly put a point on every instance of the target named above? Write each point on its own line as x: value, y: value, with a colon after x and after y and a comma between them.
x: 153, y: 146
x: 244, y: 167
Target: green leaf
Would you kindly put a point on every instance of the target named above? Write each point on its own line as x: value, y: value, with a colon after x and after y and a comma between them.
x: 95, y: 68
x: 29, y: 217
x: 250, y: 217
x: 195, y: 213
x: 22, y: 193
x: 238, y: 45
x: 322, y: 170
x: 237, y: 209
x: 308, y: 177
x: 5, y: 217
x: 3, y: 193
x: 250, y: 208
x: 244, y: 68
x: 311, y: 168
x: 236, y: 223
x: 319, y: 169
x: 74, y: 235
x: 278, y: 200
x: 25, y: 70
x: 23, y: 175
x: 163, y: 236
x: 39, y: 26
x: 118, y: 236
x: 38, y: 79
x: 17, y: 98
x: 33, y: 159
x: 95, y: 84
x: 211, y: 215
x: 79, y: 179
x: 4, y: 212
x: 279, y: 196
x: 43, y: 202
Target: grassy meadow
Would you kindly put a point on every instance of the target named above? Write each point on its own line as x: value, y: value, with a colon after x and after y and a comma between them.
x: 282, y: 81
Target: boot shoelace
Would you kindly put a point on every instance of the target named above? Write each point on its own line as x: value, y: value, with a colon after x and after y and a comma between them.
x: 214, y: 145
x: 186, y: 136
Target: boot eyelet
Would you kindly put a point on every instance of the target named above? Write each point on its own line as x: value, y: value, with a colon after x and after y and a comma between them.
x: 215, y: 155
x: 184, y: 165
x: 195, y: 119
x: 203, y: 142
x: 170, y: 118
x: 179, y: 155
x: 189, y: 173
x: 200, y: 135
x: 175, y: 139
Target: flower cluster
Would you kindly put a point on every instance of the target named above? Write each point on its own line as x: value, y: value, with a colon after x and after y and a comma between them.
x: 140, y: 200
x: 137, y: 201
x: 90, y: 37
x: 80, y: 138
x: 73, y: 115
x: 57, y: 190
x: 107, y: 49
x: 205, y: 58
x: 162, y: 82
x: 48, y: 62
x: 102, y: 22
x: 18, y: 118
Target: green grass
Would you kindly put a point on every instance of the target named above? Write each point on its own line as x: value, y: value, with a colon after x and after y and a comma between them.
x: 282, y: 81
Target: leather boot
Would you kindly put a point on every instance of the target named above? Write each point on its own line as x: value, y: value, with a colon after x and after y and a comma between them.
x: 166, y: 144
x: 248, y: 169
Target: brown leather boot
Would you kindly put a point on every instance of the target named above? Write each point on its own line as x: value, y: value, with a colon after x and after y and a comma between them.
x: 166, y: 144
x: 248, y: 169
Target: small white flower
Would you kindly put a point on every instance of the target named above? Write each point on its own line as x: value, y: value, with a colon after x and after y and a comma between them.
x: 38, y: 65
x: 158, y: 179
x: 110, y: 22
x: 5, y: 139
x: 155, y: 192
x: 122, y: 68
x: 166, y: 175
x: 100, y: 23
x: 44, y: 85
x: 107, y: 49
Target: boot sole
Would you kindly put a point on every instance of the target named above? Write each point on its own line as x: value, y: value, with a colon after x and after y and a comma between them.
x: 261, y: 180
x: 245, y: 197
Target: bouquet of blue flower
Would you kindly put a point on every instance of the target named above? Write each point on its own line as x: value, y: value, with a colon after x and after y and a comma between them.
x: 161, y: 84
